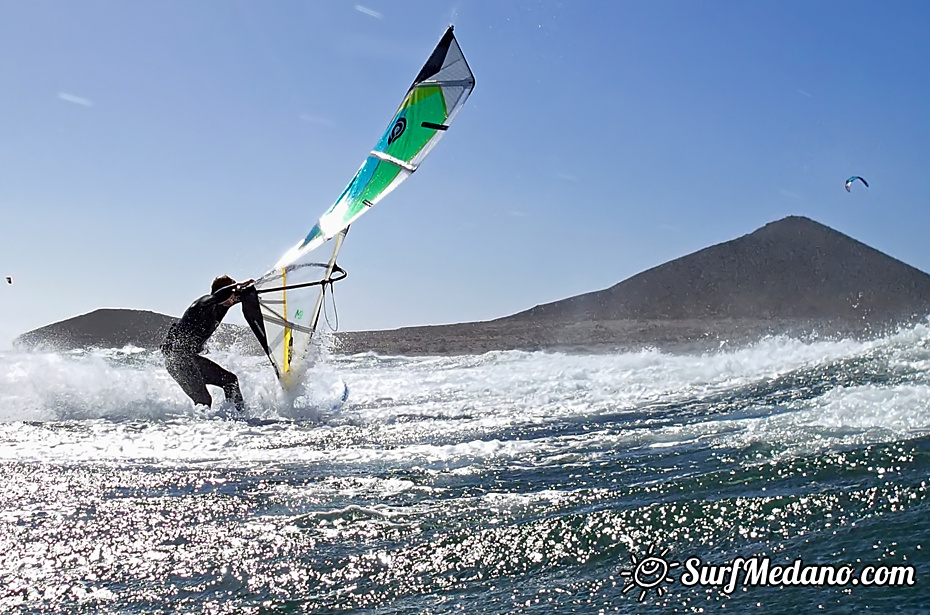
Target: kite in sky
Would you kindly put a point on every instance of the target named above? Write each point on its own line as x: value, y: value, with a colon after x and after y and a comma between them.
x: 850, y: 181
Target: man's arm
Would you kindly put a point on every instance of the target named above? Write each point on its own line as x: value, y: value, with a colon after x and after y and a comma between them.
x: 233, y: 290
x: 241, y: 286
x: 219, y: 296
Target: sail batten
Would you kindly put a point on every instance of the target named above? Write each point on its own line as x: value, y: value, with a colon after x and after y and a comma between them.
x: 392, y: 160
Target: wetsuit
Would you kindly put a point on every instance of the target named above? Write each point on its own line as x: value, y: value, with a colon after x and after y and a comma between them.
x: 185, y: 342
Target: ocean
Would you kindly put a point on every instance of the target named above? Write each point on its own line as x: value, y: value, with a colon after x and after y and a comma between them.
x: 788, y: 476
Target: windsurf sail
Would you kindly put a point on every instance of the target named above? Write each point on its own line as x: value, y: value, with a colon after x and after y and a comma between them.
x: 286, y: 309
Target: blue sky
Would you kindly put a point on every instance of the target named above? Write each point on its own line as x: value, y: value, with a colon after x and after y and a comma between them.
x: 146, y: 147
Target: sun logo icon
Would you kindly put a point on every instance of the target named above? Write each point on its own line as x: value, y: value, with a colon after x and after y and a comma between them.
x: 649, y: 573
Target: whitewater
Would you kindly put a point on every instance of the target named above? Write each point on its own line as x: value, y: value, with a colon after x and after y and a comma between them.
x: 507, y: 482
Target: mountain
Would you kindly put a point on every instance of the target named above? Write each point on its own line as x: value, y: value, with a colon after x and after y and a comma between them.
x: 116, y: 328
x: 793, y: 269
x: 793, y: 276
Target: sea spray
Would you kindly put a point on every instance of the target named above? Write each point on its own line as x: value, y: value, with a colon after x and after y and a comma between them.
x: 487, y: 482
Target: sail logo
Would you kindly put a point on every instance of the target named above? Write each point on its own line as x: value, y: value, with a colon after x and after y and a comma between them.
x: 651, y: 572
x: 397, y: 129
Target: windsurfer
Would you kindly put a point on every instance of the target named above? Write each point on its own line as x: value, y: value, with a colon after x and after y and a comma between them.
x: 186, y: 339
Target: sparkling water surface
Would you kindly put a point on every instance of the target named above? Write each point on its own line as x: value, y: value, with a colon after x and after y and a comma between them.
x: 508, y: 482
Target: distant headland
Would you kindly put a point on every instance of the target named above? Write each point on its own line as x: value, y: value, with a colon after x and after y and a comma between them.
x: 793, y: 276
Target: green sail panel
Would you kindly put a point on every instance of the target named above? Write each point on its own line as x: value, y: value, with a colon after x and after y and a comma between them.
x: 292, y: 296
x: 428, y: 108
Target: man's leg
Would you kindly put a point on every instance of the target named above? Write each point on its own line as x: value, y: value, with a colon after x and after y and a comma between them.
x: 217, y: 376
x: 184, y: 370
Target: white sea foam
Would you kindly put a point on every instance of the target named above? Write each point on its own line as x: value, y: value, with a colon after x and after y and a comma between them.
x: 121, y: 405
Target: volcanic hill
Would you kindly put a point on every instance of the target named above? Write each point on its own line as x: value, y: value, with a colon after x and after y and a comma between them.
x: 794, y: 269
